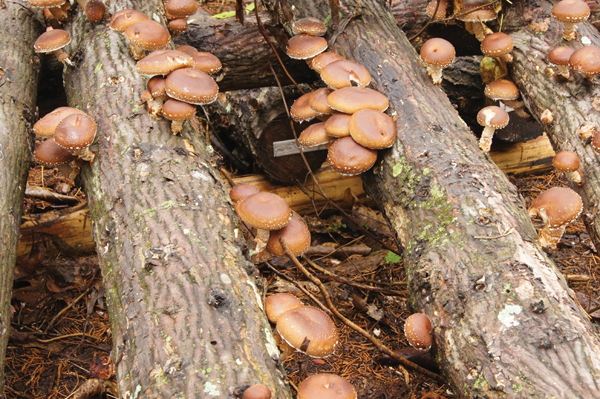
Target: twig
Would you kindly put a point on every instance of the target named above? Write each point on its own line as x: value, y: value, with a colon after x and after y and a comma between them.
x: 383, y: 348
x: 45, y: 341
x: 69, y: 306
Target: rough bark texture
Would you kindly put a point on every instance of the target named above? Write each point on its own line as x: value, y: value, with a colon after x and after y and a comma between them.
x: 252, y: 120
x: 19, y: 72
x: 505, y: 323
x: 573, y: 103
x: 185, y: 311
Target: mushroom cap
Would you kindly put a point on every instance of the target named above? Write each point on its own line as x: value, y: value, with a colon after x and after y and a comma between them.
x: 192, y: 86
x: 178, y: 25
x: 338, y: 125
x: 350, y: 158
x: 180, y: 8
x: 326, y: 386
x: 493, y: 116
x: 307, y: 324
x: 558, y: 206
x: 49, y: 153
x: 257, y: 391
x: 51, y: 40
x: 263, y: 210
x: 46, y: 3
x: 586, y: 60
x: 501, y: 89
x: 441, y: 9
x: 560, y: 55
x: 94, y: 10
x: 310, y: 26
x: 418, y: 331
x: 123, y: 19
x: 46, y: 126
x: 351, y: 99
x: 206, y: 62
x: 301, y: 111
x: 148, y: 34
x: 566, y: 161
x: 318, y: 101
x: 75, y: 132
x: 372, y: 129
x: 497, y: 44
x: 175, y: 110
x: 162, y: 62
x: 483, y: 14
x: 156, y: 86
x: 295, y: 234
x: 314, y: 135
x: 438, y: 51
x: 345, y: 73
x: 301, y: 47
x: 241, y: 191
x: 572, y: 11
x: 278, y: 304
x: 322, y: 60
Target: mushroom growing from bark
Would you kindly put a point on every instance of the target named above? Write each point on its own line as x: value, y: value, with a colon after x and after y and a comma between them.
x: 474, y: 17
x: 302, y: 47
x: 568, y: 162
x: 75, y: 133
x: 372, y: 129
x: 491, y: 118
x: 586, y: 60
x: 177, y: 112
x: 570, y: 13
x: 51, y: 154
x: 507, y: 92
x: 557, y: 207
x: 417, y: 330
x: 46, y: 126
x: 345, y: 73
x: 123, y: 19
x: 351, y: 99
x: 498, y: 45
x: 560, y: 56
x: 350, y: 158
x: 94, y: 9
x: 56, y: 7
x: 310, y: 26
x: 53, y: 41
x: 326, y: 386
x: 295, y: 234
x: 257, y: 391
x: 146, y: 35
x: 438, y: 54
x: 192, y: 86
x: 309, y: 330
x: 300, y: 111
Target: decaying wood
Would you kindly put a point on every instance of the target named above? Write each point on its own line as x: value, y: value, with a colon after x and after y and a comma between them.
x: 19, y: 72
x: 572, y: 103
x: 185, y: 311
x: 505, y: 323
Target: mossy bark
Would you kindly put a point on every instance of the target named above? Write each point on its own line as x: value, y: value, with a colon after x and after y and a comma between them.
x: 573, y: 103
x: 505, y: 323
x: 19, y: 71
x: 184, y: 305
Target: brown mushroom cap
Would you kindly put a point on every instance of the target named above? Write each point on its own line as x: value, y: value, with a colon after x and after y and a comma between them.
x: 586, y: 60
x: 180, y: 8
x: 322, y: 60
x: 566, y: 161
x: 441, y: 9
x: 493, y: 116
x: 310, y: 26
x: 278, y: 304
x: 351, y: 99
x: 46, y: 3
x: 483, y: 14
x: 309, y: 330
x: 501, y: 89
x: 177, y: 26
x: 46, y: 126
x: 301, y: 47
x: 560, y: 55
x: 338, y: 125
x: 314, y: 135
x: 148, y: 35
x: 345, y: 73
x: 203, y: 61
x: 257, y: 391
x: 156, y: 86
x: 263, y: 210
x: 318, y: 101
x: 372, y: 129
x: 123, y: 19
x: 418, y: 331
x: 571, y: 11
x: 301, y: 110
x: 326, y: 386
x: 175, y: 110
x: 75, y: 132
x: 51, y: 154
x: 295, y: 234
x: 192, y: 86
x: 162, y: 62
x: 497, y: 44
x: 438, y: 51
x: 350, y: 158
x: 51, y: 40
x: 558, y: 206
x: 241, y: 191
x: 94, y: 10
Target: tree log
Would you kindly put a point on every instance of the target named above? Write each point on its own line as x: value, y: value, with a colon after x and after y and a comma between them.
x: 19, y: 71
x: 185, y: 310
x: 572, y: 103
x: 504, y: 322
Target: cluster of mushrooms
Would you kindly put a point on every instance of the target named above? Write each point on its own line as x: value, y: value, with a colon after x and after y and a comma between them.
x: 355, y: 125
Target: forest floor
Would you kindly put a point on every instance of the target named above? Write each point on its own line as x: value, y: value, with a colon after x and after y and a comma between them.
x: 60, y: 338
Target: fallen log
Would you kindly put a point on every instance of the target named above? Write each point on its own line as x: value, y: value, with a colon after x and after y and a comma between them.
x: 20, y: 26
x: 505, y: 323
x: 572, y: 103
x: 185, y: 311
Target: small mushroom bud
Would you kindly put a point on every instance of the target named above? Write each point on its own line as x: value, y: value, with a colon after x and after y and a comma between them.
x: 587, y: 131
x: 94, y: 9
x: 418, y: 331
x: 257, y: 391
x: 547, y: 117
x: 568, y: 162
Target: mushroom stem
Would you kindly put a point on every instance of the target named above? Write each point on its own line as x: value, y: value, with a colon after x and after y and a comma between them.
x: 177, y: 126
x: 563, y: 70
x: 518, y: 107
x: 569, y: 32
x: 507, y: 57
x: 83, y: 153
x: 575, y: 176
x: 477, y: 28
x: 549, y: 237
x: 63, y: 57
x: 435, y: 71
x: 137, y: 52
x: 485, y: 142
x: 58, y: 13
x: 261, y: 239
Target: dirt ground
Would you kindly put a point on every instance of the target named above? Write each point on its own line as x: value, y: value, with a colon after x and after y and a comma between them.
x: 60, y: 335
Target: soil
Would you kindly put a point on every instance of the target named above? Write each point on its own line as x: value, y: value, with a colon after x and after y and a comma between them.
x: 60, y: 337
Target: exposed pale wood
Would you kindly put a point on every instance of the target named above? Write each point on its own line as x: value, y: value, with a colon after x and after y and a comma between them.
x: 533, y: 156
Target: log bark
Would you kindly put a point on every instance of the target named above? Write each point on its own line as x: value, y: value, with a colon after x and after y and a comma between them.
x: 572, y: 103
x: 505, y: 323
x: 19, y: 71
x: 185, y: 309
